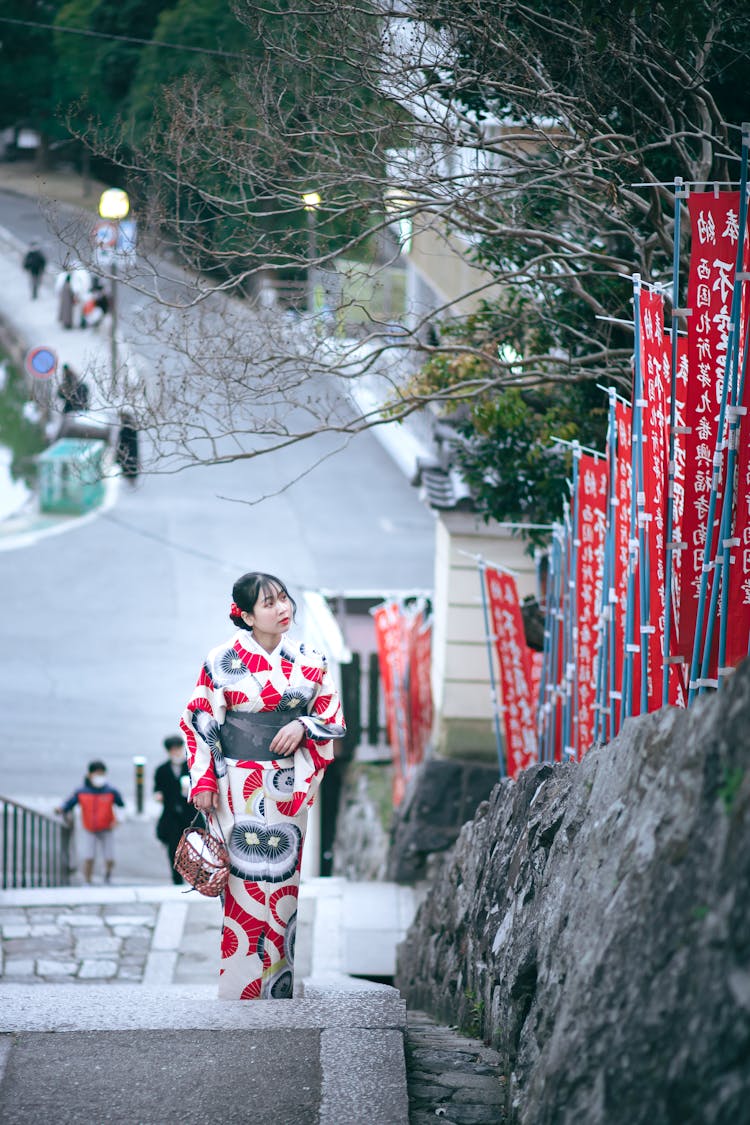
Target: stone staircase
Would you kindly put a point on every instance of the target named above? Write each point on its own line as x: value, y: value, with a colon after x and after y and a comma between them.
x: 108, y: 997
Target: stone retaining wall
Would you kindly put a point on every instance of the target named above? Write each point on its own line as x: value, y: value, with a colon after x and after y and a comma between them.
x: 593, y: 922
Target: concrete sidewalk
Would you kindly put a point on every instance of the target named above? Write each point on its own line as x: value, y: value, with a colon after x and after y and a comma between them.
x: 103, y: 983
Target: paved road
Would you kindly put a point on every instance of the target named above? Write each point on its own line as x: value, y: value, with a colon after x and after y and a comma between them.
x: 104, y: 627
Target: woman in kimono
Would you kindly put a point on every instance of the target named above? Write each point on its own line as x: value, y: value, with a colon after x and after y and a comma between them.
x: 258, y: 730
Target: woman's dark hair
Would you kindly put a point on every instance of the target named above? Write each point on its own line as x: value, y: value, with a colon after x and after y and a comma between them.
x: 249, y: 588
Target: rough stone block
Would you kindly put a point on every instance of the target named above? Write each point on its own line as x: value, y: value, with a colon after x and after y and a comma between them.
x: 16, y: 930
x: 49, y: 968
x: 96, y: 946
x: 45, y: 930
x: 124, y: 919
x: 17, y: 967
x: 442, y: 795
x: 132, y: 932
x: 592, y: 921
x: 82, y: 920
x: 472, y: 1114
x: 97, y: 970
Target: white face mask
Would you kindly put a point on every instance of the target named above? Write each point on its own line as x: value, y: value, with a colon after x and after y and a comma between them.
x: 177, y: 759
x: 98, y: 780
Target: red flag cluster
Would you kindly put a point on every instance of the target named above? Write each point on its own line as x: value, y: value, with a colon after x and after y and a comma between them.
x: 514, y: 661
x: 404, y: 641
x: 648, y: 592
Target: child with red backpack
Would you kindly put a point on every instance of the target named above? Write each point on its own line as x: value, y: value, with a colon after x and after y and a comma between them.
x: 96, y: 800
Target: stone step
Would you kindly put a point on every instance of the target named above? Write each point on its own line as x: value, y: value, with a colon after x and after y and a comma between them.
x: 92, y: 1007
x: 160, y: 1055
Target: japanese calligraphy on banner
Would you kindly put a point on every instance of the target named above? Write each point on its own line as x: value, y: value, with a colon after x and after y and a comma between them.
x: 714, y: 224
x: 392, y: 663
x: 656, y: 383
x: 678, y: 486
x: 519, y: 723
x: 623, y: 484
x: 592, y: 517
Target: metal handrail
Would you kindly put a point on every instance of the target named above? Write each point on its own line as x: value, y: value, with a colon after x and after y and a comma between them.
x: 34, y: 847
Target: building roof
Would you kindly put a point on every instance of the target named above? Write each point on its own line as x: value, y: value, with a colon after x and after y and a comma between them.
x: 442, y: 488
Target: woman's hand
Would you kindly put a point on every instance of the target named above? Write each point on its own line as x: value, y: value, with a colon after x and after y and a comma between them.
x: 286, y: 740
x: 205, y: 801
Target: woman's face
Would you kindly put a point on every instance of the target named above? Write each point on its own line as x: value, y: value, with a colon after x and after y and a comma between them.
x: 272, y: 613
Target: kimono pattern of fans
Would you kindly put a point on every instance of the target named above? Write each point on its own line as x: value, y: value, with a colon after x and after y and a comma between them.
x: 263, y: 805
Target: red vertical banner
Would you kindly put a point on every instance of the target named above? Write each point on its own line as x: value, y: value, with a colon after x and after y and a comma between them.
x: 592, y: 518
x: 420, y: 687
x: 656, y: 382
x: 738, y: 605
x: 738, y: 617
x: 714, y: 233
x: 392, y: 663
x: 678, y: 495
x: 519, y: 725
x: 623, y: 492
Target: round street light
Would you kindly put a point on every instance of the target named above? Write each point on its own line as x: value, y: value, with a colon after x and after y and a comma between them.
x: 311, y: 200
x: 114, y: 204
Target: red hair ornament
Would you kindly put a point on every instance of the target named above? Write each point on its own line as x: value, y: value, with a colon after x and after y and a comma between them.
x: 234, y: 610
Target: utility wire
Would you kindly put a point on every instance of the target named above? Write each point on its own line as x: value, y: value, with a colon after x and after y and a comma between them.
x: 122, y: 38
x: 181, y: 548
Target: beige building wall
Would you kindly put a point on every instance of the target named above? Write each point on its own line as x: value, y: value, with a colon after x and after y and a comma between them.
x: 464, y: 726
x: 438, y: 265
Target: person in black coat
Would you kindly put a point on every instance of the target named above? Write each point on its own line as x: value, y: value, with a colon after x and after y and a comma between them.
x: 171, y: 786
x: 126, y: 452
x: 34, y: 264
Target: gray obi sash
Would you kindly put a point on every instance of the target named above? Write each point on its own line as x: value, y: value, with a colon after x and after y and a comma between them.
x: 246, y: 735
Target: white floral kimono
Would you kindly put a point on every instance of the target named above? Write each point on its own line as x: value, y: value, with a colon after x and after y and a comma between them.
x: 263, y: 805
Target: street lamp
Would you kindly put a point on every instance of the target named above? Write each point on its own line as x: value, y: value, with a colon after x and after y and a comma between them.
x: 114, y: 205
x: 311, y: 201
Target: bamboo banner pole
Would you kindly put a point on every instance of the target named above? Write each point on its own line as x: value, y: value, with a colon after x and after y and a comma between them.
x: 626, y: 709
x: 605, y: 728
x: 639, y: 404
x: 544, y: 678
x: 559, y: 654
x: 736, y: 416
x: 631, y: 648
x: 570, y: 739
x: 671, y: 546
x: 551, y: 641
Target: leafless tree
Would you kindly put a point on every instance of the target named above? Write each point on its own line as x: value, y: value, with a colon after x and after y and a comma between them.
x: 521, y: 133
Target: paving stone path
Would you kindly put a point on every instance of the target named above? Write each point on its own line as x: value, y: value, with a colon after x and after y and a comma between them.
x: 91, y: 943
x: 451, y: 1078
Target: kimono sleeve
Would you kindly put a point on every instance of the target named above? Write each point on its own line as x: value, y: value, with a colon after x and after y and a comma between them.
x: 324, y: 723
x: 200, y: 724
x: 326, y: 719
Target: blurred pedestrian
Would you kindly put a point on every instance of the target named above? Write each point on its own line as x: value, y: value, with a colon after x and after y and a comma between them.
x: 96, y: 305
x: 80, y: 280
x: 66, y: 300
x: 171, y: 788
x: 126, y: 452
x: 258, y: 729
x: 97, y: 801
x: 34, y: 263
x: 73, y: 392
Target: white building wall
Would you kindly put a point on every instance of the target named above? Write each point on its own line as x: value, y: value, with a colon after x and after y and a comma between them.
x: 461, y: 679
